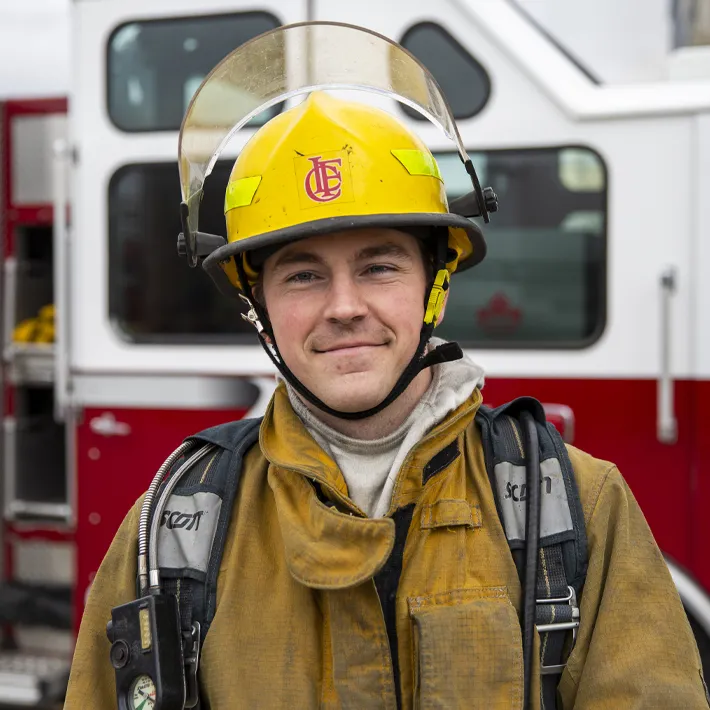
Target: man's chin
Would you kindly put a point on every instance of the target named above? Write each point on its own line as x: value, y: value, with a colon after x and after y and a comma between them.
x: 351, y: 399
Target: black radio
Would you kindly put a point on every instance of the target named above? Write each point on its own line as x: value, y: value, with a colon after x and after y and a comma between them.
x: 147, y: 654
x: 154, y: 658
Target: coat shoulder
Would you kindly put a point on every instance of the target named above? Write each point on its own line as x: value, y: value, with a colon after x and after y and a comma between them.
x: 590, y: 474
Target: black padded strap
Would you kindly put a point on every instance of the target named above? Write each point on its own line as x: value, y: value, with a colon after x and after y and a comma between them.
x: 219, y: 474
x: 241, y: 443
x: 552, y: 584
x: 562, y: 556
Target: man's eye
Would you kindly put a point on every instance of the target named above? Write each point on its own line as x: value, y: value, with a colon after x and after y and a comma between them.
x: 379, y: 269
x: 302, y: 277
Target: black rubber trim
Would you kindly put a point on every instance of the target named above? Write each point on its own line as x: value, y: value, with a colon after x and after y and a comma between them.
x: 387, y: 582
x: 444, y: 458
x: 465, y: 54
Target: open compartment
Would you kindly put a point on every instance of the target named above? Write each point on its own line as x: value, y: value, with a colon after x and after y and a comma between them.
x: 29, y: 287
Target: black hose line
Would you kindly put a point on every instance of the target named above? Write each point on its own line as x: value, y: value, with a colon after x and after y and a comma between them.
x: 532, y: 543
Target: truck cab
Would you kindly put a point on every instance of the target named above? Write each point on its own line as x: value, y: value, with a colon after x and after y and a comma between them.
x: 592, y: 297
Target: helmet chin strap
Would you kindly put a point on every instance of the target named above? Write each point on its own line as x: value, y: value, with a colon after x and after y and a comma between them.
x: 446, y: 352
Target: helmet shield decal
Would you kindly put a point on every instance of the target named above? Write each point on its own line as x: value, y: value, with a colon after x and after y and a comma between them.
x: 290, y: 61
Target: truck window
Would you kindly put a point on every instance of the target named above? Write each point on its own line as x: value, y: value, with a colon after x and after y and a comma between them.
x: 463, y: 80
x: 153, y: 295
x: 155, y: 66
x: 691, y: 23
x: 542, y: 283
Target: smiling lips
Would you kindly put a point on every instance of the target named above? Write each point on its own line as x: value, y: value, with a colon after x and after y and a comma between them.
x: 348, y: 347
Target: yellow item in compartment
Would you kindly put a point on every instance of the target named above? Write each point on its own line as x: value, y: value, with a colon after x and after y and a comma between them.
x: 36, y: 330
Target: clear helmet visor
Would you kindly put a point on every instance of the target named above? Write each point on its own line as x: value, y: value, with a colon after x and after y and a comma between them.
x: 290, y: 61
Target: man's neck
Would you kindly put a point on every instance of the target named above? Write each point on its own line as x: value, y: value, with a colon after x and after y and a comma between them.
x: 384, y: 422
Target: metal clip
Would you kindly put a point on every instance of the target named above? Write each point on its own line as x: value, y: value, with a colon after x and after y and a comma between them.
x: 573, y: 625
x: 250, y: 316
x: 192, y: 662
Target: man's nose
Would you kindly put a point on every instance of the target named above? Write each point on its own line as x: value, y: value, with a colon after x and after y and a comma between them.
x: 346, y: 300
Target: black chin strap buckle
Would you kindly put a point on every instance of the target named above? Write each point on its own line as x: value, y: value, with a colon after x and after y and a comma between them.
x: 191, y: 646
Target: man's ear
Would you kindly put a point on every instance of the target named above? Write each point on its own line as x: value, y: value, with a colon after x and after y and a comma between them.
x: 440, y: 320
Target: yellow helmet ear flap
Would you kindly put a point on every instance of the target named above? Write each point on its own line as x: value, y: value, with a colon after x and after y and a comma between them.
x: 460, y: 248
x: 229, y: 268
x: 249, y: 271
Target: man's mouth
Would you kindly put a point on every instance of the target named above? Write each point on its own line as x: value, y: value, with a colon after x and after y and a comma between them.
x: 350, y: 347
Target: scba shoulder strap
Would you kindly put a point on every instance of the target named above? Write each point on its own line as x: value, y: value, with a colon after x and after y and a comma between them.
x: 562, y: 557
x: 195, y: 521
x: 193, y: 530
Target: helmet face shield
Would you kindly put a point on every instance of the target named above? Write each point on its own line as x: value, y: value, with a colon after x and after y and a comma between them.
x: 324, y: 166
x: 287, y: 62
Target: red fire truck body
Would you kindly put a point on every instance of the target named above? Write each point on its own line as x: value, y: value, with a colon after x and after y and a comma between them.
x: 595, y: 296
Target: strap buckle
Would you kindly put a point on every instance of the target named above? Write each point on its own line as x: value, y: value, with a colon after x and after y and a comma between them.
x: 573, y: 625
x: 250, y: 316
x: 192, y: 663
x: 437, y: 296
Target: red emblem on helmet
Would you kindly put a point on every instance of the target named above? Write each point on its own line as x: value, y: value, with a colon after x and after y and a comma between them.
x: 324, y: 180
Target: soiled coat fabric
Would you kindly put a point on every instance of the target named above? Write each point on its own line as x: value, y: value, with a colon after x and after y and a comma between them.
x: 300, y: 624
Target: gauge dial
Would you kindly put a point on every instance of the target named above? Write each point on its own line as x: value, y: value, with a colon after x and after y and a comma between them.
x: 143, y: 693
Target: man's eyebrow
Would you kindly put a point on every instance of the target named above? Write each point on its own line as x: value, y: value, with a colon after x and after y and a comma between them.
x: 290, y: 258
x: 296, y: 257
x: 386, y: 249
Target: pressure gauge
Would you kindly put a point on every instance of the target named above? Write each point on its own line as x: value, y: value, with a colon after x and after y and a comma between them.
x: 142, y: 693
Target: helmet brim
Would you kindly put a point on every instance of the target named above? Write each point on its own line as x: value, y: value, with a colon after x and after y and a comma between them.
x: 213, y: 263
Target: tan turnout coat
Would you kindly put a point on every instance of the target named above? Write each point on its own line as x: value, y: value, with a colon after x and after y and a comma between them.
x: 299, y: 623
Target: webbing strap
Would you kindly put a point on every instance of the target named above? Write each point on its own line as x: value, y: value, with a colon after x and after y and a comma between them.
x: 556, y: 606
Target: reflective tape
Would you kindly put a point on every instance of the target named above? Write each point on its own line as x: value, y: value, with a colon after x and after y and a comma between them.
x: 240, y: 192
x: 418, y: 162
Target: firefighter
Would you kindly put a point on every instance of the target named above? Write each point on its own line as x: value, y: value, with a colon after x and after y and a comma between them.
x: 366, y: 564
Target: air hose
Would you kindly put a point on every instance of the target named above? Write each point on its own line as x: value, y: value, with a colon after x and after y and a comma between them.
x: 146, y: 508
x: 532, y: 543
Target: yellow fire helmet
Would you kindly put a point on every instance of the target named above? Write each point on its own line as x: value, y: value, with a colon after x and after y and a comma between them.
x: 327, y: 165
x: 324, y: 165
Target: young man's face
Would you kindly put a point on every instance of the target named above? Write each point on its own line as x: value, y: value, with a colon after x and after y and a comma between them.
x: 347, y: 310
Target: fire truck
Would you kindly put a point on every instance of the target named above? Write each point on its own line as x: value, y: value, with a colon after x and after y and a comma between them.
x: 594, y: 297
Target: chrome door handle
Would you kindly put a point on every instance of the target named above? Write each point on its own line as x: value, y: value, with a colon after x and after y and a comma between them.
x: 666, y: 423
x: 108, y: 425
